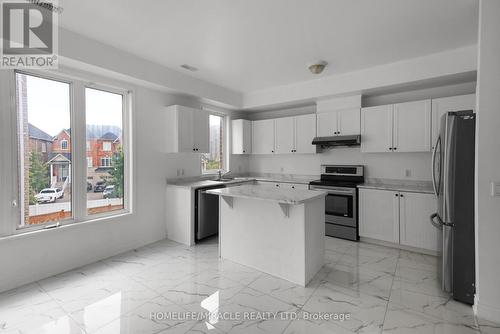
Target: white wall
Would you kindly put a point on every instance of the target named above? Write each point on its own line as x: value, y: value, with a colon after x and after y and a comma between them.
x: 30, y: 257
x: 488, y: 163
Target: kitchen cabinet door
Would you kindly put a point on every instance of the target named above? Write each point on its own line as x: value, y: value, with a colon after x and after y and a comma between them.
x: 412, y: 126
x: 445, y: 104
x: 242, y: 136
x: 376, y: 129
x: 305, y: 131
x: 379, y: 214
x: 327, y: 124
x: 185, y: 130
x: 201, y: 131
x: 349, y: 122
x: 263, y: 136
x: 284, y: 135
x: 415, y: 227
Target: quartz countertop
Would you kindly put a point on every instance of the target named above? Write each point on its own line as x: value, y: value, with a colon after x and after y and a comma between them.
x: 399, y: 185
x: 200, y: 181
x: 282, y: 196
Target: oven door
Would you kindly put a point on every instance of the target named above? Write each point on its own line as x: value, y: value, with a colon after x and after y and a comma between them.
x: 340, y: 205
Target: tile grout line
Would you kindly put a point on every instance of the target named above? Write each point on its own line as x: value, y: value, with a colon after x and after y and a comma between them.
x: 390, y: 291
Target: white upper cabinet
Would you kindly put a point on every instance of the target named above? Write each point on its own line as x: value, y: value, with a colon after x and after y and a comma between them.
x: 284, y: 135
x: 241, y: 136
x: 402, y: 127
x: 376, y: 129
x: 186, y: 130
x: 339, y: 123
x: 348, y: 122
x: 415, y: 228
x: 443, y: 105
x: 201, y: 134
x: 305, y: 131
x: 263, y: 136
x: 295, y: 134
x: 412, y: 126
x: 327, y: 124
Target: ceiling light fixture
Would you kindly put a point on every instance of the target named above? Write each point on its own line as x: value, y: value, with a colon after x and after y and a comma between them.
x: 189, y: 67
x: 317, y: 67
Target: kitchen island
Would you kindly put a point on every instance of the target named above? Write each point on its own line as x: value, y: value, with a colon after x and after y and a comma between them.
x: 277, y: 231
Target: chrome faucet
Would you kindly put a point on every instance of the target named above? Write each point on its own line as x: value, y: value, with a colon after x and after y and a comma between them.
x: 222, y: 175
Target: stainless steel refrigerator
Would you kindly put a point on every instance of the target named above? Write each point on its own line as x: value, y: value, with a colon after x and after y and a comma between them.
x: 453, y: 179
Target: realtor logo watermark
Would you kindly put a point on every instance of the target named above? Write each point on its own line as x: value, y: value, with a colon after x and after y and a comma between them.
x: 29, y: 34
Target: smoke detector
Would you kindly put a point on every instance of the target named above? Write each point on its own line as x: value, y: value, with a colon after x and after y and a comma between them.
x: 317, y: 67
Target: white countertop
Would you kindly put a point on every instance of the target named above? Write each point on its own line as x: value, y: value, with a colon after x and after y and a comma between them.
x: 200, y: 182
x: 414, y: 187
x: 279, y: 195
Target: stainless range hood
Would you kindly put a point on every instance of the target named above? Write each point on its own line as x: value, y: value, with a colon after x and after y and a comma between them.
x: 325, y: 142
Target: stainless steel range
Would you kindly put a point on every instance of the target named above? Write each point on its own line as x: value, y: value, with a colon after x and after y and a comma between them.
x: 341, y: 207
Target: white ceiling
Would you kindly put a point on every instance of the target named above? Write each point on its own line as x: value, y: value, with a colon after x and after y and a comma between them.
x: 249, y: 45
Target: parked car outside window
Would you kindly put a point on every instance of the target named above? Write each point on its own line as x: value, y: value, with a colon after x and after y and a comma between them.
x: 100, y: 186
x: 109, y: 192
x: 49, y: 195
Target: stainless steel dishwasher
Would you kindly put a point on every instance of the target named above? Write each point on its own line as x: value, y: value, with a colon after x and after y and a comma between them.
x: 206, y: 213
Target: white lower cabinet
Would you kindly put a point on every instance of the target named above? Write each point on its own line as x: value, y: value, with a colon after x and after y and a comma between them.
x: 378, y: 215
x: 398, y: 217
x: 415, y: 228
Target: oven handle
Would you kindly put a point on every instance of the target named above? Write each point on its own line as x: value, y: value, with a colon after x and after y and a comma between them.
x: 331, y: 191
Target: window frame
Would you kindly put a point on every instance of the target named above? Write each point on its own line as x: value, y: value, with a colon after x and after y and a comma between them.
x: 66, y: 142
x: 225, y: 156
x: 77, y: 84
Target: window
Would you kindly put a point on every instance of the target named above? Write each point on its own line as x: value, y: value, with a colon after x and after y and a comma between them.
x: 43, y: 104
x: 45, y: 169
x: 106, y: 162
x: 214, y: 160
x: 104, y: 115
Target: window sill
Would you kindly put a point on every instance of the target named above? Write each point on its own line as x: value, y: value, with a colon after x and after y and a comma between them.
x: 95, y: 220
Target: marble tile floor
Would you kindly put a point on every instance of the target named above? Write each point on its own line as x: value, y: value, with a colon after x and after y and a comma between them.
x: 153, y: 290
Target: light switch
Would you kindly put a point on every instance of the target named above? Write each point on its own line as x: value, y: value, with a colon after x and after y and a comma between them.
x: 495, y: 189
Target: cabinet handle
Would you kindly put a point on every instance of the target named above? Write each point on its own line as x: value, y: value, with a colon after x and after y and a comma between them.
x: 272, y: 151
x: 397, y: 195
x: 243, y: 151
x: 394, y: 148
x: 390, y: 148
x: 401, y: 195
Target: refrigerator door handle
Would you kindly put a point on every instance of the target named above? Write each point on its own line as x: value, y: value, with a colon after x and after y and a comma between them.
x: 434, y: 152
x: 439, y: 223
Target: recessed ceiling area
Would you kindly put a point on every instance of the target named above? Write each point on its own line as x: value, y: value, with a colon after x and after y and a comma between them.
x: 254, y: 45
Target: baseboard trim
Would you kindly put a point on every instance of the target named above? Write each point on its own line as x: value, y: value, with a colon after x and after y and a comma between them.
x: 485, y: 311
x: 398, y: 246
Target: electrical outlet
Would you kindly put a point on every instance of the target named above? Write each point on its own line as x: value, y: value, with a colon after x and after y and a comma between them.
x: 408, y: 172
x: 282, y: 169
x: 495, y: 189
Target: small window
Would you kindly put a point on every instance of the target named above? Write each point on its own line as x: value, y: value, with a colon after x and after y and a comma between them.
x: 106, y: 146
x: 64, y: 144
x: 214, y: 160
x: 106, y: 162
x: 89, y: 162
x: 44, y: 147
